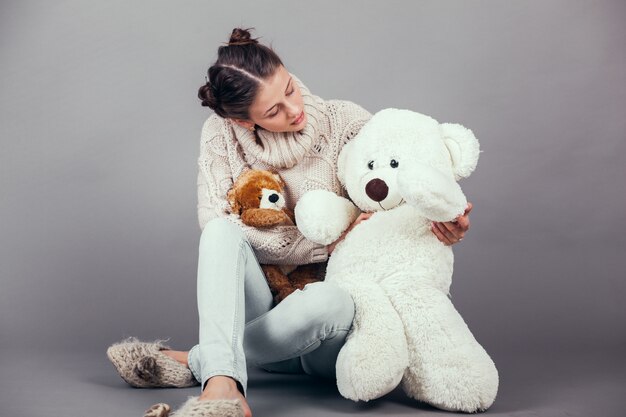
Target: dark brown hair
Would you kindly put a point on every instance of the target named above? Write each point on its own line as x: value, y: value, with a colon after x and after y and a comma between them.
x: 234, y: 79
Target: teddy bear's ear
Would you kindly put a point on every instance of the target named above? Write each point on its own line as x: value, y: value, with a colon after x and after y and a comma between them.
x: 463, y: 147
x: 232, y: 200
x: 278, y: 179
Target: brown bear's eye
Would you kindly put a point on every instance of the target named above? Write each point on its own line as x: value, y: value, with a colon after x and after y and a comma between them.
x: 394, y: 163
x: 370, y: 164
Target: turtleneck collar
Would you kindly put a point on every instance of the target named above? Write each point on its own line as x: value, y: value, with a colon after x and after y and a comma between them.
x: 284, y: 149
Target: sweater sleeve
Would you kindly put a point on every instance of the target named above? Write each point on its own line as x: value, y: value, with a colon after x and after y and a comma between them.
x: 280, y: 245
x: 354, y: 118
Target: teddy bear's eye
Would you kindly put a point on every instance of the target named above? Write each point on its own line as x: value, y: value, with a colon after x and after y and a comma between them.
x: 260, y: 197
x: 394, y: 163
x: 370, y: 164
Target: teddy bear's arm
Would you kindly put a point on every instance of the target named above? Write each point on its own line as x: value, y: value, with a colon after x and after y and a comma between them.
x: 322, y: 216
x: 290, y: 214
x: 435, y: 195
x: 259, y: 217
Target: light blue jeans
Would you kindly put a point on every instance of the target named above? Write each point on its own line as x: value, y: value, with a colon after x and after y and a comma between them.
x: 239, y: 327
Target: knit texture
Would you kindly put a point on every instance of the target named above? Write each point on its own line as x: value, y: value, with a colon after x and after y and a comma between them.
x: 306, y: 160
x: 157, y: 410
x: 142, y: 365
x: 193, y: 407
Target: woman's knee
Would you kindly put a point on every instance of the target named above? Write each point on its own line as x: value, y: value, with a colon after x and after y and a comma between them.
x: 332, y: 305
x: 219, y: 232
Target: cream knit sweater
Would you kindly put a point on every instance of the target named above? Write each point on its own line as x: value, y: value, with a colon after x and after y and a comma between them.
x: 306, y: 160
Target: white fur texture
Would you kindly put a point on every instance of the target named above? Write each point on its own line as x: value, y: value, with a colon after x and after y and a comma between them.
x: 322, y: 216
x: 406, y: 330
x: 463, y: 148
x: 434, y: 195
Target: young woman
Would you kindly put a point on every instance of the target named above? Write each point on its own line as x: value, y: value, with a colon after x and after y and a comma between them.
x: 265, y: 118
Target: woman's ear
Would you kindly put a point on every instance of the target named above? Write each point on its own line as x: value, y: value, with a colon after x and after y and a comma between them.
x: 246, y: 124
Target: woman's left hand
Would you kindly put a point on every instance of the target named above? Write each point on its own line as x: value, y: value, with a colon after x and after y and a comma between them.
x: 452, y: 232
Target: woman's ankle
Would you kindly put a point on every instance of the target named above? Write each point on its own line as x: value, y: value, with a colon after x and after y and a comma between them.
x: 220, y: 381
x: 220, y: 387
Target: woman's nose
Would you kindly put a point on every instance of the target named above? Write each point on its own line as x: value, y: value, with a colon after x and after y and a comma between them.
x: 292, y: 110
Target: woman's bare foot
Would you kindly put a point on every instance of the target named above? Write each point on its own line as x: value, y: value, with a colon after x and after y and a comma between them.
x: 222, y: 387
x: 178, y: 355
x: 218, y: 387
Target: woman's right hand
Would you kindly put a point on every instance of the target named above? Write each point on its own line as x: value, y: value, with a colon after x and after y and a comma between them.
x: 362, y: 216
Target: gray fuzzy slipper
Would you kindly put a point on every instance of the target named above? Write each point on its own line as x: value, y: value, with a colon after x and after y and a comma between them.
x: 157, y: 410
x: 142, y: 365
x: 195, y: 408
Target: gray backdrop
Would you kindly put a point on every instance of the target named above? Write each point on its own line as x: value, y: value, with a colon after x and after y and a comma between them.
x: 100, y: 128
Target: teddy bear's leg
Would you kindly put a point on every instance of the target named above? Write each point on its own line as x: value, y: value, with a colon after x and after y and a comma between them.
x: 279, y: 283
x: 374, y: 356
x: 448, y: 368
x: 306, y: 274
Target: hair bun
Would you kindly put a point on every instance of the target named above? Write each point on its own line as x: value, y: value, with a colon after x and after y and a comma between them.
x: 241, y: 37
x: 205, y: 93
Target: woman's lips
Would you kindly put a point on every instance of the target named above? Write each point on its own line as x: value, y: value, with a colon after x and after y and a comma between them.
x: 299, y: 119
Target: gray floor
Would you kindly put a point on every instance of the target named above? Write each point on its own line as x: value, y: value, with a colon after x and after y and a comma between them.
x: 83, y: 383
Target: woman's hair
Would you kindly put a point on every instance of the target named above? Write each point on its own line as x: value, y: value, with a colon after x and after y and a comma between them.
x: 234, y: 79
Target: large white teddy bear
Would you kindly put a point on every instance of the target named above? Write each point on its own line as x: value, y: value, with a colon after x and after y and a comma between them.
x: 403, y: 166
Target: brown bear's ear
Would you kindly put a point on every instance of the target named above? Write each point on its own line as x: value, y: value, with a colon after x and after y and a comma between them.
x: 232, y: 200
x: 278, y: 179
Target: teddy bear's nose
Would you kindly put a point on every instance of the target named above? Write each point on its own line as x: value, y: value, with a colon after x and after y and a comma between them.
x: 273, y: 198
x: 376, y: 189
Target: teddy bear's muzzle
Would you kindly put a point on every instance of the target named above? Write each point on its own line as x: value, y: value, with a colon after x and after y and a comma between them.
x: 377, y: 189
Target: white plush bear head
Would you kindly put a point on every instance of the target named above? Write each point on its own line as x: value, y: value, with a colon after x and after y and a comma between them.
x: 403, y: 156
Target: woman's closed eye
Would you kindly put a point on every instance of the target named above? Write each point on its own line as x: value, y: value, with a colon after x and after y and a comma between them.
x: 289, y: 93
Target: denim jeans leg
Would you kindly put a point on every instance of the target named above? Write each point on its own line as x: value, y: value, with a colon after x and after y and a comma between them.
x: 302, y: 334
x: 311, y: 324
x: 226, y: 265
x: 322, y: 361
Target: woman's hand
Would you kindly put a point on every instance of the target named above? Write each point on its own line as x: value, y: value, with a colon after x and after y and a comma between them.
x: 452, y: 232
x: 362, y: 216
x: 448, y: 233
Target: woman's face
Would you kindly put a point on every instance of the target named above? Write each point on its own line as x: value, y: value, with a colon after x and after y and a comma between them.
x: 278, y: 106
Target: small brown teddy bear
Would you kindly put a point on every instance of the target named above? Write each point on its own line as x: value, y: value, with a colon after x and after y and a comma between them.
x: 257, y: 196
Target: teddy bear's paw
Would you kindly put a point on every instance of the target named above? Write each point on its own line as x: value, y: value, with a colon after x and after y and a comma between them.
x: 366, y: 371
x: 468, y: 384
x: 322, y: 216
x: 435, y: 195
